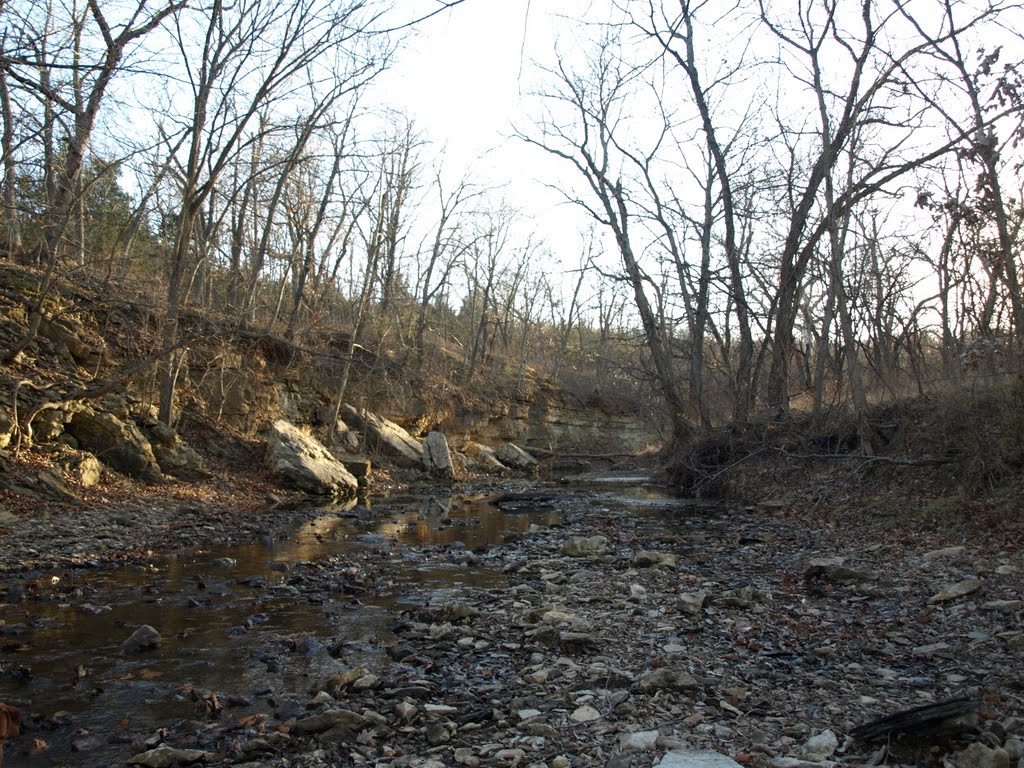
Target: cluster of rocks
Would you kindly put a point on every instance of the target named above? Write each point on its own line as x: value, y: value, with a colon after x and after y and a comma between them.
x: 704, y: 641
x: 116, y: 432
x: 305, y: 462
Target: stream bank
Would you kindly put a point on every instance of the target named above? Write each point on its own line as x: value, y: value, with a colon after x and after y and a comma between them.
x: 613, y: 626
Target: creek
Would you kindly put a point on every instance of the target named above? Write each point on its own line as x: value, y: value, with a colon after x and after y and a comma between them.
x: 253, y: 622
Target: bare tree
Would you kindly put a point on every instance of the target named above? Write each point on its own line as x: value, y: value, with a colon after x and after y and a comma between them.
x: 24, y: 65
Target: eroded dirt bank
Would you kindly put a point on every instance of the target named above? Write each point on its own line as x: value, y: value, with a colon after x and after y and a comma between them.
x: 629, y: 629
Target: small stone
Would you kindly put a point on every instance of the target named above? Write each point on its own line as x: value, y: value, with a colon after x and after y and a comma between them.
x: 977, y: 755
x: 1003, y: 606
x: 406, y: 711
x: 88, y: 609
x: 823, y: 745
x: 585, y: 546
x: 538, y: 677
x: 366, y: 683
x: 641, y: 741
x: 331, y: 719
x: 465, y: 756
x: 437, y: 734
x: 649, y: 558
x: 692, y: 603
x: 666, y: 677
x: 944, y: 553
x: 510, y: 756
x: 927, y: 651
x: 954, y: 591
x: 526, y: 714
x: 560, y: 762
x: 165, y: 757
x: 440, y: 709
x: 696, y: 758
x: 585, y: 714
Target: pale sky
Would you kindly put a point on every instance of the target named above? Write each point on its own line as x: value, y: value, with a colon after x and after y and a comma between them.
x: 465, y: 79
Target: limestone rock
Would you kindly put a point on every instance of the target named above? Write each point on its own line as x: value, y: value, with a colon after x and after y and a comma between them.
x: 696, y: 758
x: 820, y: 746
x: 481, y: 457
x: 977, y: 755
x: 666, y: 678
x: 305, y: 462
x: 7, y: 426
x: 692, y: 603
x: 165, y: 757
x: 437, y: 457
x: 835, y: 571
x: 332, y: 718
x: 640, y: 741
x: 175, y: 457
x: 651, y: 557
x: 585, y: 546
x: 511, y: 455
x: 82, y: 467
x: 953, y: 591
x: 386, y: 437
x: 118, y: 444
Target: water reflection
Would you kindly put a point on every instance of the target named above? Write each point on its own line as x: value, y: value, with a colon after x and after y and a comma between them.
x: 223, y: 612
x: 247, y: 618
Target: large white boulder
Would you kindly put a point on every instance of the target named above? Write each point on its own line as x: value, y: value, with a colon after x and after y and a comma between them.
x: 304, y: 462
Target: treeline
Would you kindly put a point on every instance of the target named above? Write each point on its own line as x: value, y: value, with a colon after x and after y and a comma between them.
x: 811, y: 203
x: 823, y: 198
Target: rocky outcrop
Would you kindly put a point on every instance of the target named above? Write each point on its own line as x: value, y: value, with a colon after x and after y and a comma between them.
x: 118, y: 444
x: 437, y: 457
x: 482, y: 458
x: 385, y: 437
x: 305, y: 462
x: 175, y: 457
x: 511, y: 455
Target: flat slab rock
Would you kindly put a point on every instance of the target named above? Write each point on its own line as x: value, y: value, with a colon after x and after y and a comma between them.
x: 696, y: 758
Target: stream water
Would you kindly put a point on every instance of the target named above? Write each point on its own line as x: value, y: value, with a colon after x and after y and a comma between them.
x: 251, y: 621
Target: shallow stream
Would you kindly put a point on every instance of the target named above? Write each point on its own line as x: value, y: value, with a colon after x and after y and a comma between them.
x: 251, y: 622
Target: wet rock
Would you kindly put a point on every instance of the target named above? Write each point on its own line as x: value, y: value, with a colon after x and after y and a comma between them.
x: 650, y: 558
x: 955, y: 591
x: 166, y: 757
x: 305, y: 462
x: 696, y: 758
x: 511, y: 455
x: 141, y: 639
x: 585, y: 546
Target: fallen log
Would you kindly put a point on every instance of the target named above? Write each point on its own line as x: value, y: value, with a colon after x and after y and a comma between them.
x: 942, y: 719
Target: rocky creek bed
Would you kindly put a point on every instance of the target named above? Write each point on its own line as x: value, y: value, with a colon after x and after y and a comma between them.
x: 611, y: 627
